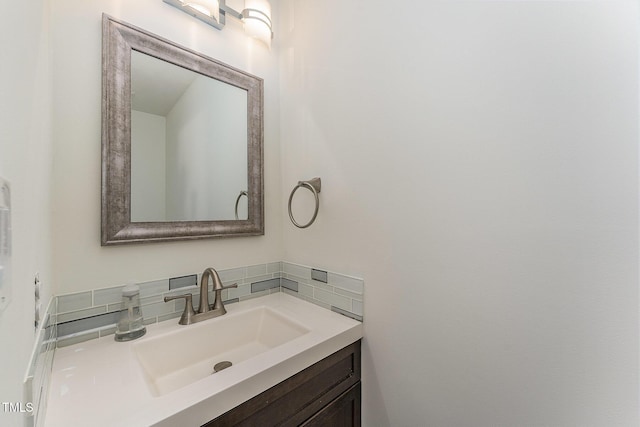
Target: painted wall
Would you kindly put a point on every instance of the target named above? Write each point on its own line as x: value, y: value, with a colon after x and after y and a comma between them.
x: 80, y: 262
x: 479, y: 169
x: 148, y: 167
x: 25, y: 160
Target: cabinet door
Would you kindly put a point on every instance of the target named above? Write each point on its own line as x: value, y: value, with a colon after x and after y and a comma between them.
x: 344, y: 411
x: 299, y: 397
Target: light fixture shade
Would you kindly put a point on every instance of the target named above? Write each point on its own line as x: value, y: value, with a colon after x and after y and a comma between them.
x: 257, y: 20
x: 210, y: 8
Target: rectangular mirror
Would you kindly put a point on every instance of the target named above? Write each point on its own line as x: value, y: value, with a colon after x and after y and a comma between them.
x: 182, y: 138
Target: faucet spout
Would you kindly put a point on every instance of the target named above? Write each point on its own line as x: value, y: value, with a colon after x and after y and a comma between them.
x: 204, y: 288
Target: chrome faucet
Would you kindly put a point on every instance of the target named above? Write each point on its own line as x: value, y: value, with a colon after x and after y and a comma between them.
x: 205, y: 311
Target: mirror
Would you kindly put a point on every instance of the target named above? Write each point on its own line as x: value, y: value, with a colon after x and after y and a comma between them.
x: 188, y: 144
x: 181, y: 142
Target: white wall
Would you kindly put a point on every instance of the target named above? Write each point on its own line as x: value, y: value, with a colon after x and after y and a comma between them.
x: 25, y: 160
x: 80, y: 262
x: 148, y: 167
x: 479, y: 167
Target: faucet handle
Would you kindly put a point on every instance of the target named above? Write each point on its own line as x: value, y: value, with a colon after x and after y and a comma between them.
x: 217, y: 303
x: 188, y: 313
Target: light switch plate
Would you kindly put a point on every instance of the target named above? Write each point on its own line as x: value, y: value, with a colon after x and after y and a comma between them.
x: 5, y: 243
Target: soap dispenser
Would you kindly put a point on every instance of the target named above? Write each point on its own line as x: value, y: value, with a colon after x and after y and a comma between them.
x: 130, y: 325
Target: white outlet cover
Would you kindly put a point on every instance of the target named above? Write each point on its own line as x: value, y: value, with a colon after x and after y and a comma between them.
x: 5, y: 244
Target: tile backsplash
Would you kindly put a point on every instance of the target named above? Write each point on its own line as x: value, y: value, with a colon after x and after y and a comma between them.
x: 337, y: 292
x: 92, y: 314
x: 36, y: 383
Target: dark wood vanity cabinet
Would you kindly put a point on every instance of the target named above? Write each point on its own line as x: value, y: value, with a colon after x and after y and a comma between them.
x: 326, y: 394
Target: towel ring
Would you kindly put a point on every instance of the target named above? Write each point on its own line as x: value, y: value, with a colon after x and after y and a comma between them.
x: 242, y: 193
x: 314, y: 186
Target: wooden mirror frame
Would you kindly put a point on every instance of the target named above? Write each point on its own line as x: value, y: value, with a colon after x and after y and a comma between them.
x: 118, y: 41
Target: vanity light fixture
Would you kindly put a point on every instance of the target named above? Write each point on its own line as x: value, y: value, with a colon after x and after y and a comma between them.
x: 257, y: 20
x: 211, y: 8
x: 256, y: 15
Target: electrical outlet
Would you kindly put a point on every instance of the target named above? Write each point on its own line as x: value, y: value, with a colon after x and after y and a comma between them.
x: 36, y: 284
x: 36, y: 322
x: 36, y: 291
x: 5, y: 244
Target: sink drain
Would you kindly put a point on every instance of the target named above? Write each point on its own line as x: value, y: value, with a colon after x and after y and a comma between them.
x: 221, y: 365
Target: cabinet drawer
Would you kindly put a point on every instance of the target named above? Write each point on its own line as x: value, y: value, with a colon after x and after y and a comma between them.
x: 342, y: 412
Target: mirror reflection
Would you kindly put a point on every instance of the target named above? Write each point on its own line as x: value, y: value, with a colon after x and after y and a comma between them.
x: 188, y: 144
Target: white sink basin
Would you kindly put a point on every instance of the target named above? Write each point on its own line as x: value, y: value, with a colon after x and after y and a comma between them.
x: 181, y: 357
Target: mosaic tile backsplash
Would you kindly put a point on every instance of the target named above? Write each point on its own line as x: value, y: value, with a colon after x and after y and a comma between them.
x: 92, y: 314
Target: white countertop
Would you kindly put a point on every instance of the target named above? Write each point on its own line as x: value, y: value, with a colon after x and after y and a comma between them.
x: 100, y: 382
